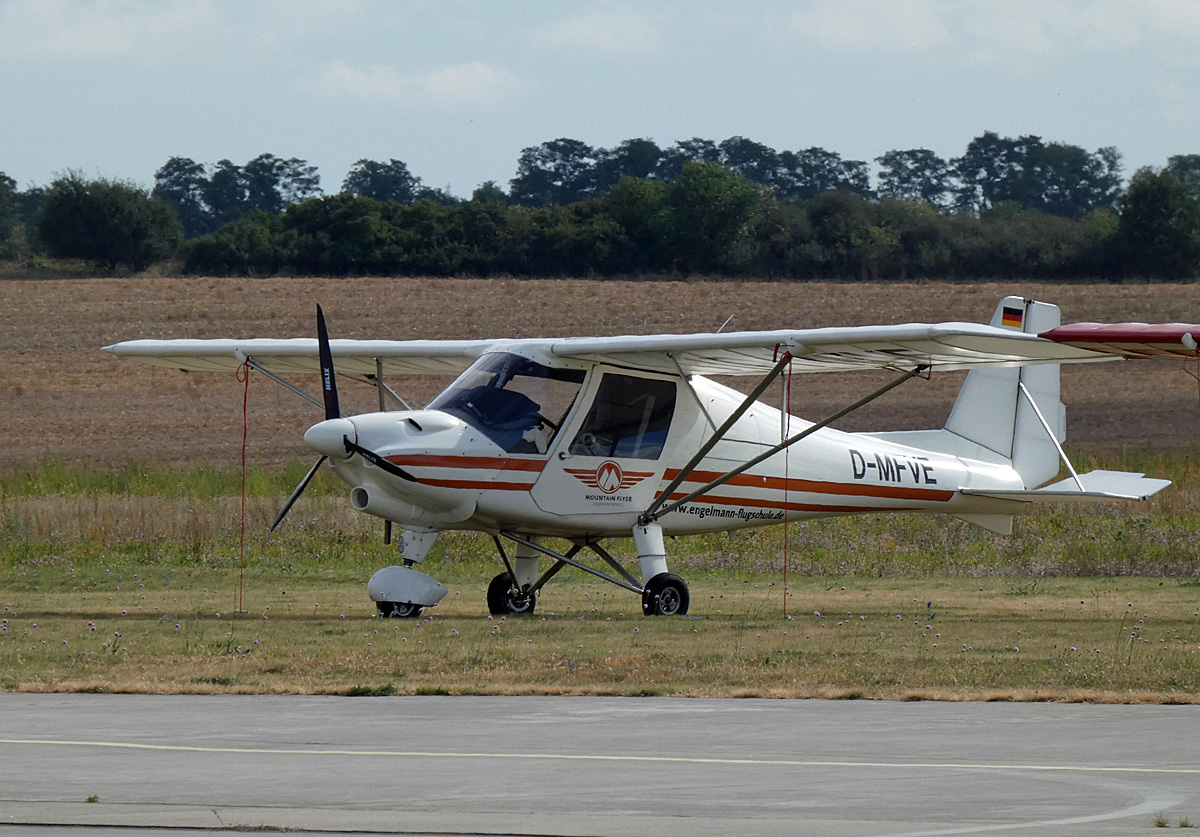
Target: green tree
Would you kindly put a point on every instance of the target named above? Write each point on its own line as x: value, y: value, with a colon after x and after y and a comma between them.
x: 695, y: 150
x: 559, y: 172
x: 632, y: 158
x: 1052, y: 177
x: 813, y: 171
x: 180, y: 184
x: 1186, y: 167
x: 255, y: 244
x: 226, y: 193
x: 107, y: 222
x: 489, y: 192
x: 390, y: 181
x: 750, y: 160
x: 273, y: 184
x: 10, y: 220
x: 710, y: 212
x: 639, y: 208
x: 915, y: 174
x: 1159, y: 230
x: 434, y: 194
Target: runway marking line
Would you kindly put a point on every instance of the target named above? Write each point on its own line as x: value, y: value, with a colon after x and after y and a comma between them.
x: 121, y: 745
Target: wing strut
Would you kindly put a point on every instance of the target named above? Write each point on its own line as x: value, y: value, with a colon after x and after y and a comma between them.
x: 255, y: 366
x: 384, y: 389
x: 657, y: 509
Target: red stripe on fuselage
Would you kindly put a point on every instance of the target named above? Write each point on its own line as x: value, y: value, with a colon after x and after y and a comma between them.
x: 485, y: 463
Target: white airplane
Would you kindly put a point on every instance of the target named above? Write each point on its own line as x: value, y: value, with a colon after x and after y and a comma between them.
x: 586, y: 439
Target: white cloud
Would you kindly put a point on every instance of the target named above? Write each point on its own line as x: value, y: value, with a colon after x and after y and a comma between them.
x: 474, y: 84
x: 98, y: 28
x: 892, y: 25
x: 619, y: 31
x: 996, y: 27
x: 1177, y: 18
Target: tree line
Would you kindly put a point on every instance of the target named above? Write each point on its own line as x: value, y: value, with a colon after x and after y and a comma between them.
x: 1007, y: 207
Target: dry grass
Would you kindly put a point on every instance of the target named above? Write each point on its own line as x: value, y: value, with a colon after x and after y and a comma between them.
x: 67, y: 400
x: 148, y: 628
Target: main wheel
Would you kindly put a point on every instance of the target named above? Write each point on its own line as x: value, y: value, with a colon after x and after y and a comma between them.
x: 399, y: 610
x: 665, y: 595
x: 504, y: 599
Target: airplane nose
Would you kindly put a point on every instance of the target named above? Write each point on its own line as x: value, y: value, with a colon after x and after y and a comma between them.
x: 327, y: 437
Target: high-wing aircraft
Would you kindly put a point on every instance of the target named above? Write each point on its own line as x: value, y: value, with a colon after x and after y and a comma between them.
x: 588, y: 439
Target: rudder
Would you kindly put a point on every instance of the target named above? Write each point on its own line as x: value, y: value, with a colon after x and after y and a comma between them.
x: 991, y: 411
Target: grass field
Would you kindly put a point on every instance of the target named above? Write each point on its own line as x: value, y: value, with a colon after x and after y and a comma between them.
x: 131, y: 581
x: 120, y: 536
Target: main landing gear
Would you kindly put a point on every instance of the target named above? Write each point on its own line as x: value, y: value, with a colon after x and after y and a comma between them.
x: 665, y: 595
x: 514, y: 591
x: 504, y: 598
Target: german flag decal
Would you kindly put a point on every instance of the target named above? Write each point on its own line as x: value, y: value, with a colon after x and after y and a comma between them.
x: 1012, y: 317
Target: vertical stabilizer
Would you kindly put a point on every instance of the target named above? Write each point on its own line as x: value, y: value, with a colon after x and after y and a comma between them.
x: 992, y: 412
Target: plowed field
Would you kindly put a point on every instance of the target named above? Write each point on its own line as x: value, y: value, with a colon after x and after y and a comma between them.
x: 60, y: 397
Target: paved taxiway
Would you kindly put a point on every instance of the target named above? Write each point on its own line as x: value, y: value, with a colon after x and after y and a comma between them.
x: 584, y: 766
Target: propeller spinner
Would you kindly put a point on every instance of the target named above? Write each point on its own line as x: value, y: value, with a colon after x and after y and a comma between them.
x: 335, y: 436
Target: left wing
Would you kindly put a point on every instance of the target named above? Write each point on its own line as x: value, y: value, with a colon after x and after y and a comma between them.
x: 399, y: 357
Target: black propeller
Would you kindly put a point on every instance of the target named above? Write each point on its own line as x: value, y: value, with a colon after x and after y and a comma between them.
x: 333, y: 411
x: 328, y: 381
x: 295, y: 495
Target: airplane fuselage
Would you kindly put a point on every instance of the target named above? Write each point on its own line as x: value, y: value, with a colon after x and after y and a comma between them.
x: 466, y: 480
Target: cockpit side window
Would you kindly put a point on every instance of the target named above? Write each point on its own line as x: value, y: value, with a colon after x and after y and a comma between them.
x: 630, y: 418
x: 517, y: 403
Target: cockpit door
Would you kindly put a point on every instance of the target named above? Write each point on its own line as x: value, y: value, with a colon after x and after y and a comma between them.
x: 610, y: 459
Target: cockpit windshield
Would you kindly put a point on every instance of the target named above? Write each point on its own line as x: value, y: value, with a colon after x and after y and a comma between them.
x: 517, y: 403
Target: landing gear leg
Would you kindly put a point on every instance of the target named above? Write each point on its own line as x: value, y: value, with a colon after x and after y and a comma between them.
x: 511, y: 593
x: 663, y: 594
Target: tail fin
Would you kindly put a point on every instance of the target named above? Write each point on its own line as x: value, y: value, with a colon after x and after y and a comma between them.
x: 991, y: 411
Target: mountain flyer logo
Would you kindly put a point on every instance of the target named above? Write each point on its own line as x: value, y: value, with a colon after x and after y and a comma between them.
x: 608, y: 478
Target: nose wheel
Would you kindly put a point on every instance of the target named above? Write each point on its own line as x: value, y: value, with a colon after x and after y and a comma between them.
x: 398, y: 610
x: 665, y: 595
x: 504, y: 599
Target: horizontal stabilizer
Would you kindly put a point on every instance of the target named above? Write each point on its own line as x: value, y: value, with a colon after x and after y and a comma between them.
x: 1097, y: 486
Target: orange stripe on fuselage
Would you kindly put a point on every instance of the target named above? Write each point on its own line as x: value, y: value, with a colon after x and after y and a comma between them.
x: 817, y: 486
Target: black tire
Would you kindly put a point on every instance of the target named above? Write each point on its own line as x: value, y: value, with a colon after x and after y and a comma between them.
x: 398, y: 610
x: 504, y: 599
x: 665, y: 595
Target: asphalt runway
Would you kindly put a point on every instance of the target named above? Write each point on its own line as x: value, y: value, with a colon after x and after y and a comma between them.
x: 591, y: 766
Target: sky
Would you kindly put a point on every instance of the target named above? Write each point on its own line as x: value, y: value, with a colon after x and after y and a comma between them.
x: 457, y: 88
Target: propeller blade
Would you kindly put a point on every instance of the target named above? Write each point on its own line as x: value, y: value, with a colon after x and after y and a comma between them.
x: 378, y: 461
x: 328, y: 382
x: 295, y: 495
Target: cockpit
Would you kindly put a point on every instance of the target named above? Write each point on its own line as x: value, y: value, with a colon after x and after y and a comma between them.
x: 517, y: 403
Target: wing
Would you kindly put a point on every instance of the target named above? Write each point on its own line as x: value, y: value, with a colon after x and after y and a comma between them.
x: 399, y: 357
x: 941, y: 346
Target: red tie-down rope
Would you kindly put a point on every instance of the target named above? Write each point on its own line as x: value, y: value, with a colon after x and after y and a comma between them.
x: 1196, y: 374
x: 243, y: 376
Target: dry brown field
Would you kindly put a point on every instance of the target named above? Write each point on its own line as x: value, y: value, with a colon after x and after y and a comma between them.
x: 64, y: 399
